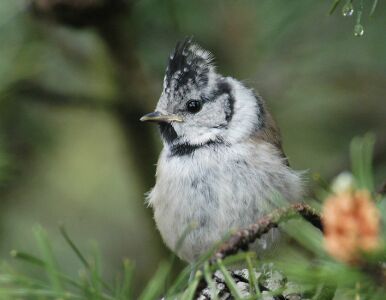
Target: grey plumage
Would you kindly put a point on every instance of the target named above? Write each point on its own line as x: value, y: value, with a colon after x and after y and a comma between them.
x: 222, y: 160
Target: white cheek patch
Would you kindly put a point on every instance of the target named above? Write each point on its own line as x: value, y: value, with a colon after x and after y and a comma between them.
x: 194, y: 134
x: 212, y: 114
x: 245, y: 118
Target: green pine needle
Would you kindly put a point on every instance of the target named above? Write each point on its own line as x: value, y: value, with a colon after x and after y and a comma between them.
x: 253, y: 281
x: 51, y: 265
x: 192, y: 287
x: 334, y: 6
x: 74, y: 247
x: 373, y: 7
x: 229, y: 281
x: 155, y: 287
x: 361, y: 151
x: 209, y: 280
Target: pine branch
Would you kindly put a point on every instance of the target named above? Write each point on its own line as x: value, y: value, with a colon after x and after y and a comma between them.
x: 78, y: 13
x: 242, y: 238
x: 32, y: 91
x: 382, y: 189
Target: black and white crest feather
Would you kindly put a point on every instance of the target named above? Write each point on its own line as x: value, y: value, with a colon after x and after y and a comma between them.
x: 189, y: 66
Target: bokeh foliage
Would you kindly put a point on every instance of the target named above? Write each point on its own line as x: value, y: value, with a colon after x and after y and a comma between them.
x: 72, y: 149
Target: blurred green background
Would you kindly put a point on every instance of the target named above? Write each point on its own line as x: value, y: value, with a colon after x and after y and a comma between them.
x: 75, y: 76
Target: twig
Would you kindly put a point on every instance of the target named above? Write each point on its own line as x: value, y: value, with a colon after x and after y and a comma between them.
x: 37, y: 93
x: 376, y: 271
x: 78, y: 13
x: 382, y: 189
x: 242, y: 238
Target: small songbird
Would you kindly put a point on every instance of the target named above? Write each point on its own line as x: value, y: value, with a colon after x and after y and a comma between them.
x: 222, y: 160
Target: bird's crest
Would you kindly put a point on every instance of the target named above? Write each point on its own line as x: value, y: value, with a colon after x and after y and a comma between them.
x: 188, y: 66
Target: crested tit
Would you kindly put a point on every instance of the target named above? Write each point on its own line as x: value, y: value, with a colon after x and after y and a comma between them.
x: 222, y: 160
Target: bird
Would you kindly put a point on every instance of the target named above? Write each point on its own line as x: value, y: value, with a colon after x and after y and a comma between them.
x: 222, y: 161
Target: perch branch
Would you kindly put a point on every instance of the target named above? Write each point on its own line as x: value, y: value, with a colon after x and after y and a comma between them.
x: 242, y: 238
x: 382, y: 189
x: 35, y: 92
x: 78, y: 13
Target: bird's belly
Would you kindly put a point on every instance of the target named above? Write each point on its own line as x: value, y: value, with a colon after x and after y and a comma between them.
x: 197, y: 206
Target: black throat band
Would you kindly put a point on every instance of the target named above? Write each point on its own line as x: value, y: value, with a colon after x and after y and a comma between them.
x: 188, y: 149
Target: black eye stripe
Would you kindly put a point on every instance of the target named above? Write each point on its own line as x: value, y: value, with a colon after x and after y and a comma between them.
x: 260, y: 111
x: 229, y: 112
x: 224, y: 88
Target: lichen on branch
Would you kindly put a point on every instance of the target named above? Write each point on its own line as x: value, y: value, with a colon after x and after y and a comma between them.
x: 242, y: 238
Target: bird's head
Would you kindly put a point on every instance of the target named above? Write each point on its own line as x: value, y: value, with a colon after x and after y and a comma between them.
x: 199, y: 107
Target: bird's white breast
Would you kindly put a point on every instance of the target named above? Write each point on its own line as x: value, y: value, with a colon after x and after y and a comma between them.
x: 216, y: 190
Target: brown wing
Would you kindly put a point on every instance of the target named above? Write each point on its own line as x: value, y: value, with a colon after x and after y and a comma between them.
x: 270, y: 132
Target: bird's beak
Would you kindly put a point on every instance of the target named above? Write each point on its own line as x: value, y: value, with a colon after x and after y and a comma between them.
x: 156, y: 116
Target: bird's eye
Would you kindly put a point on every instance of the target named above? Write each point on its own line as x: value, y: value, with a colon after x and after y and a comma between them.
x: 193, y: 106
